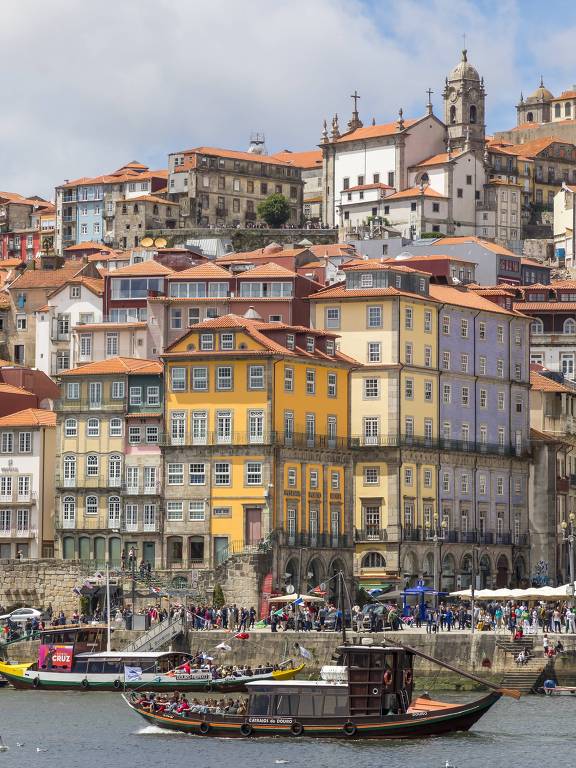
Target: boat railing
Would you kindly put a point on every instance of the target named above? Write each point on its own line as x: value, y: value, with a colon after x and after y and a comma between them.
x: 158, y: 636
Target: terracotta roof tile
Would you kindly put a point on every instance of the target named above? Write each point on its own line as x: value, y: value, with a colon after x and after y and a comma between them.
x: 202, y: 271
x: 304, y: 160
x: 494, y: 247
x: 545, y: 306
x: 416, y: 192
x: 260, y: 253
x: 234, y: 155
x: 87, y: 246
x: 148, y: 199
x: 29, y: 417
x: 359, y: 187
x: 118, y: 365
x: 534, y: 147
x: 545, y: 384
x: 440, y: 159
x: 148, y: 267
x: 340, y: 291
x: 46, y: 278
x: 10, y: 263
x: 359, y: 265
x: 266, y: 270
x: 93, y: 284
x: 464, y: 298
x: 374, y: 131
x: 12, y: 389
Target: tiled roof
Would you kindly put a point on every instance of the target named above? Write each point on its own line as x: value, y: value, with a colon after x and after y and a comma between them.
x: 533, y: 263
x: 137, y: 324
x: 29, y: 417
x: 147, y: 199
x: 416, y: 192
x: 202, y: 271
x: 429, y: 257
x: 440, y: 159
x: 340, y: 291
x: 143, y: 268
x: 464, y: 298
x: 12, y: 389
x: 545, y: 384
x: 118, y: 365
x: 121, y: 175
x: 87, y: 246
x: 360, y: 187
x: 494, y: 247
x: 374, y: 131
x: 494, y: 292
x: 332, y: 249
x: 46, y: 278
x: 10, y: 263
x: 360, y: 265
x: 93, y: 284
x: 545, y: 306
x: 562, y: 284
x: 266, y: 270
x: 304, y: 160
x: 260, y: 253
x: 234, y: 155
x: 534, y: 147
x: 543, y: 437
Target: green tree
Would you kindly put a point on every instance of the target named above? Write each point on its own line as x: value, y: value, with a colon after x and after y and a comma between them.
x: 274, y: 210
x: 218, y: 597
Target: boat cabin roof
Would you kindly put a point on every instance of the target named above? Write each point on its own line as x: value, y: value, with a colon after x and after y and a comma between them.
x: 265, y: 684
x: 129, y: 655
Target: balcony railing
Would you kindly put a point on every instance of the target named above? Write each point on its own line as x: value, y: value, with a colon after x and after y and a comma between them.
x: 99, y: 481
x: 84, y: 404
x: 485, y: 538
x: 370, y: 534
x: 18, y: 498
x: 562, y: 484
x: 320, y: 540
x: 141, y: 489
x: 442, y: 444
x: 293, y: 440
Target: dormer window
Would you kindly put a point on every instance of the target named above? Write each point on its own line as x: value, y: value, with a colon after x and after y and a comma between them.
x: 366, y: 281
x: 330, y: 347
x: 290, y: 341
x: 422, y: 285
x: 309, y: 343
x: 226, y: 341
x: 207, y: 342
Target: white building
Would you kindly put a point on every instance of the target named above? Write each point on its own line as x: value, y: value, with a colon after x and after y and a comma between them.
x: 564, y: 229
x: 77, y: 303
x: 27, y: 484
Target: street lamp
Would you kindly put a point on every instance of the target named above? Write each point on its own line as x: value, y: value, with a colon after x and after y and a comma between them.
x: 438, y: 539
x: 568, y: 536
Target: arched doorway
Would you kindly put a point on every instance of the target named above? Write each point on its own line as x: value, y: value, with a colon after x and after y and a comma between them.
x: 502, y: 572
x: 519, y: 570
x: 428, y: 569
x: 84, y: 548
x: 485, y: 572
x: 448, y: 581
x: 410, y: 569
x: 314, y: 574
x: 196, y: 550
x: 292, y: 573
x: 174, y: 551
x: 466, y: 571
x: 68, y: 548
x: 114, y: 551
x: 335, y: 586
x: 100, y: 551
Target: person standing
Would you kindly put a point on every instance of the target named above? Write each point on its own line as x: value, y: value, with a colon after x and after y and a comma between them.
x: 570, y: 624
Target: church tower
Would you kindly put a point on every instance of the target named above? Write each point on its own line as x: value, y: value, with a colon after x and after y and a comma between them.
x: 464, y: 107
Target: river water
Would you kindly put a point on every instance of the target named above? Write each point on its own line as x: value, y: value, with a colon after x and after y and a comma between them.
x: 97, y: 730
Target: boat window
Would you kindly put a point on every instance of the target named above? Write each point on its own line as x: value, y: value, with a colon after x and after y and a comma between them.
x: 335, y: 705
x: 148, y: 665
x: 96, y: 667
x: 285, y: 704
x: 359, y: 660
x: 259, y: 704
x: 112, y: 667
x: 377, y: 660
x: 80, y: 665
x: 310, y: 706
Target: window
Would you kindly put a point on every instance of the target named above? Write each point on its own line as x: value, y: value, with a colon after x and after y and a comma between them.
x: 332, y: 380
x: 254, y: 473
x: 371, y: 389
x: 288, y: 379
x: 332, y: 317
x: 427, y: 321
x: 464, y: 483
x: 408, y: 354
x: 446, y: 361
x: 178, y: 379
x: 371, y: 426
x: 428, y: 391
x: 196, y: 509
x: 224, y: 426
x: 459, y: 192
x: 428, y: 478
x: 501, y: 401
x: 500, y: 368
x: 115, y: 428
x: 483, y: 398
x: 517, y: 371
x: 222, y: 473
x: 175, y: 474
x: 199, y: 427
x: 134, y: 435
x: 482, y: 485
x: 86, y: 345
x: 517, y: 336
x: 112, y: 344
x: 313, y: 479
x: 482, y: 331
x: 500, y: 486
x: 408, y: 427
x: 310, y: 344
x: 446, y: 325
x: 21, y: 322
x: 500, y: 334
x: 118, y: 390
x: 7, y: 442
x: 482, y: 365
x: 92, y: 464
x: 335, y: 480
x: 199, y: 379
x: 197, y: 474
x: 483, y: 434
x: 256, y: 377
x: 501, y: 437
x: 310, y: 428
x: 464, y: 328
x: 135, y: 395
x: 224, y: 378
x: 374, y: 317
x: 24, y: 485
x: 465, y: 396
x: 93, y: 428
x: 371, y: 476
x: 288, y: 426
x: 408, y: 474
x: 176, y: 318
x: 291, y: 476
x: 174, y: 510
x: 446, y: 482
x: 153, y: 396
x: 427, y: 357
x: 446, y: 394
x: 310, y: 381
x: 409, y: 389
x: 206, y: 342
x: 226, y: 342
x: 408, y: 318
x: 73, y: 390
x: 464, y: 359
x: 256, y: 426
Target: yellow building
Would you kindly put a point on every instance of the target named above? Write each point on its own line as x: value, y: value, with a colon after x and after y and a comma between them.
x: 388, y: 321
x: 257, y: 448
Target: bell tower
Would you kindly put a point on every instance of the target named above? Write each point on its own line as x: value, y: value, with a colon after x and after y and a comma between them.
x: 464, y: 107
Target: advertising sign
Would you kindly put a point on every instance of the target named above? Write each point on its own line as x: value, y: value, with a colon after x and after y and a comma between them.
x: 51, y: 657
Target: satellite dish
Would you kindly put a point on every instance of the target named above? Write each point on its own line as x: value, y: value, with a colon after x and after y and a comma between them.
x: 147, y: 242
x: 160, y: 242
x: 290, y: 589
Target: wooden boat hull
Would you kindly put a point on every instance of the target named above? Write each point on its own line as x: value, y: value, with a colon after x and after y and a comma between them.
x: 62, y: 681
x: 417, y: 723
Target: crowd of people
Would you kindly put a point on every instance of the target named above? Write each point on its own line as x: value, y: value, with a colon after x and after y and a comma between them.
x: 178, y: 704
x: 221, y: 671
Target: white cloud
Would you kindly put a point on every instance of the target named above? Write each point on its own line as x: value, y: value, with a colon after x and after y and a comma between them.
x: 89, y: 87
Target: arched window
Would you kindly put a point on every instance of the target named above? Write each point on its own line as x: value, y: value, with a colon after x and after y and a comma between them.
x: 530, y: 117
x: 70, y: 428
x: 557, y: 111
x: 567, y: 109
x: 536, y: 326
x: 69, y: 470
x: 452, y: 114
x: 373, y: 560
x: 115, y: 470
x: 114, y: 511
x: 92, y: 465
x: 472, y: 113
x: 68, y: 511
x: 93, y: 428
x: 91, y: 505
x: 115, y: 427
x: 570, y: 325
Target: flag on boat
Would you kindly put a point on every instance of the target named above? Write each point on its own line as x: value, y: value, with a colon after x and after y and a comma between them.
x: 304, y: 652
x: 131, y: 674
x: 224, y: 647
x: 242, y: 636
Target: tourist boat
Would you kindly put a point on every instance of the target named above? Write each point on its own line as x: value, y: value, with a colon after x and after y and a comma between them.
x: 71, y: 658
x: 367, y: 695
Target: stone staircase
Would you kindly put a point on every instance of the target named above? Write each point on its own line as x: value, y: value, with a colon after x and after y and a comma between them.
x: 528, y: 677
x: 158, y: 636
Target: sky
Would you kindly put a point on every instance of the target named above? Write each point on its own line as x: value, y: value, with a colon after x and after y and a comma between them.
x: 88, y: 87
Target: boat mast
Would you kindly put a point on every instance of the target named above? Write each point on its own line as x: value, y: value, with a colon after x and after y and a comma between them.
x: 108, y: 630
x: 341, y: 605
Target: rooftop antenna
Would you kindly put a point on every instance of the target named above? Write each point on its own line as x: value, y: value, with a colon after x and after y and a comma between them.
x: 257, y: 143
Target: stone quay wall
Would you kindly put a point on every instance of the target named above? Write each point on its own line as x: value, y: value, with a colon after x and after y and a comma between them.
x: 37, y: 583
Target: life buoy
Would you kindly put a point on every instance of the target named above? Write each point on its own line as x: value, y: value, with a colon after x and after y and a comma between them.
x: 246, y: 729
x: 36, y: 682
x: 387, y: 677
x: 117, y: 684
x: 204, y: 728
x: 375, y: 691
x: 408, y: 677
x: 349, y: 729
x: 297, y: 729
x: 85, y: 684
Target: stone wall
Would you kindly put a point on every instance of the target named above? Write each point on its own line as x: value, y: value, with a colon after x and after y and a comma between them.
x: 37, y: 583
x: 248, y: 239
